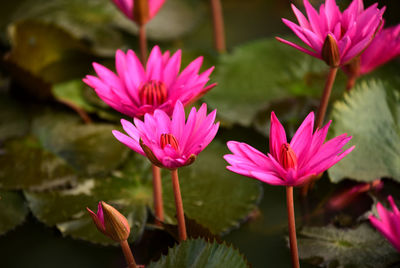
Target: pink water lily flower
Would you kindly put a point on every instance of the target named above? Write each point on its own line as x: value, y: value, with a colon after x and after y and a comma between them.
x: 135, y: 91
x: 170, y: 142
x: 384, y: 47
x: 351, y: 30
x: 389, y: 223
x: 289, y: 164
x: 127, y: 6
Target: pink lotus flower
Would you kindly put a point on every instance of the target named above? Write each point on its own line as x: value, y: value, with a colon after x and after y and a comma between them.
x: 127, y: 6
x: 389, y: 223
x: 351, y: 30
x: 289, y: 164
x: 342, y: 199
x: 110, y: 222
x: 170, y: 143
x: 135, y: 91
x: 384, y: 47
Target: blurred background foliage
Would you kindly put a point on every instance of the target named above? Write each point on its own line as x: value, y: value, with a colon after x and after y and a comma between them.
x: 53, y: 165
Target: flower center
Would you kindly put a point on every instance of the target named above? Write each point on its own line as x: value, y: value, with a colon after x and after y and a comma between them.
x: 288, y: 157
x: 153, y: 93
x: 169, y: 139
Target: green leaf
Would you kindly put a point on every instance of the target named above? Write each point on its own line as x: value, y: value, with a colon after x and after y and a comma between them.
x: 199, y: 253
x: 26, y: 165
x: 13, y: 210
x: 175, y: 19
x: 128, y: 190
x: 91, y: 149
x: 38, y: 46
x: 261, y: 72
x: 205, y: 195
x: 100, y: 22
x: 371, y: 114
x: 72, y: 91
x: 13, y: 119
x: 207, y: 187
x: 360, y: 247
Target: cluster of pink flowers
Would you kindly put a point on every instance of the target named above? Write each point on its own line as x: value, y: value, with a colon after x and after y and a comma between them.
x: 155, y: 96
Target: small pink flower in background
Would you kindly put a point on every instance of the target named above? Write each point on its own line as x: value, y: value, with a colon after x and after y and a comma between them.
x: 127, y: 6
x: 352, y: 30
x: 170, y: 143
x: 135, y: 91
x: 383, y: 48
x: 289, y: 164
x: 110, y: 222
x: 389, y: 223
x: 344, y: 198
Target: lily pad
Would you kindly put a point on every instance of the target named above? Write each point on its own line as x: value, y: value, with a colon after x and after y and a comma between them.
x: 128, y: 190
x: 261, y: 72
x: 207, y: 187
x: 36, y: 45
x: 91, y: 149
x: 13, y: 210
x: 100, y: 22
x: 360, y: 247
x: 199, y: 253
x: 371, y: 114
x: 26, y: 165
x: 13, y: 119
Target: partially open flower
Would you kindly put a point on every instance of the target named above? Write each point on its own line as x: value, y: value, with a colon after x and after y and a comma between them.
x: 128, y: 8
x: 389, y: 223
x: 170, y: 142
x: 384, y: 47
x: 350, y: 32
x: 289, y: 164
x: 110, y: 222
x: 135, y: 91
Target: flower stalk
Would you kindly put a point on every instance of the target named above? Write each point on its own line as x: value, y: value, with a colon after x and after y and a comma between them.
x: 218, y: 24
x: 157, y: 193
x: 179, y: 205
x: 325, y: 97
x: 143, y: 43
x: 141, y: 14
x: 292, y: 227
x: 128, y: 254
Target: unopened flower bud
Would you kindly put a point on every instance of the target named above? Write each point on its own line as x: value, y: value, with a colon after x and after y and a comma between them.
x: 330, y: 51
x: 110, y: 222
x: 288, y: 157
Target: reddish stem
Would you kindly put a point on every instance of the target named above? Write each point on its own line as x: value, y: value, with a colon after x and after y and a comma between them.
x: 143, y: 44
x: 81, y: 112
x: 351, y: 81
x: 157, y: 193
x: 325, y: 97
x: 292, y: 227
x: 128, y: 254
x: 218, y: 23
x: 179, y: 206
